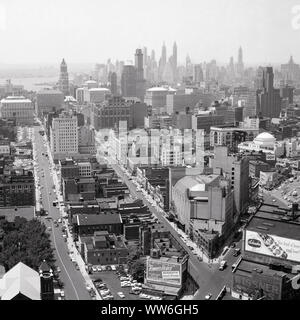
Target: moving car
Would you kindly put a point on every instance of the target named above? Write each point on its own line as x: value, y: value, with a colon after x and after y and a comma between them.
x: 121, y: 294
x: 208, y: 296
x: 223, y: 265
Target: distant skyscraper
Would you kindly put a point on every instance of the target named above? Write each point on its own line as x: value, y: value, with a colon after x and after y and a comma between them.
x: 268, y: 98
x: 112, y: 78
x: 64, y: 78
x: 291, y: 71
x: 231, y: 68
x: 162, y: 61
x: 188, y: 67
x: 128, y: 81
x: 174, y: 62
x: 140, y: 81
x: 240, y: 63
x: 145, y: 57
x: 197, y: 73
x: 153, y: 55
x: 139, y: 64
x: 164, y: 54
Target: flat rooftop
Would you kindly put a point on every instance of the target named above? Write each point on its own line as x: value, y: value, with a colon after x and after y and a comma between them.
x: 10, y: 213
x: 275, y: 221
x: 246, y: 267
x: 96, y: 219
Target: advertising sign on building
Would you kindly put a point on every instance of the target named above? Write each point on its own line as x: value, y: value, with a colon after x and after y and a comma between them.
x: 273, y: 246
x: 163, y: 272
x: 270, y: 157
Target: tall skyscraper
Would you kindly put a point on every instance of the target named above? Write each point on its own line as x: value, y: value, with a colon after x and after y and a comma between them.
x: 197, y: 73
x: 188, y: 67
x: 112, y: 78
x: 268, y: 98
x: 162, y: 62
x: 64, y: 136
x: 240, y: 63
x: 64, y: 79
x: 174, y: 62
x: 139, y: 64
x: 164, y: 54
x: 231, y: 72
x: 145, y: 57
x: 291, y: 71
x: 140, y: 81
x: 128, y: 81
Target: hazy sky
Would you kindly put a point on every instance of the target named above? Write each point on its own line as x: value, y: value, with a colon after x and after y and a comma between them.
x: 44, y: 31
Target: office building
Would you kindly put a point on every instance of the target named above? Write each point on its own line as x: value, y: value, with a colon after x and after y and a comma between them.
x: 291, y: 71
x: 86, y: 140
x: 87, y: 224
x: 104, y: 248
x: 156, y: 97
x: 268, y: 98
x: 17, y: 188
x: 128, y: 81
x: 97, y: 95
x: 49, y: 101
x: 109, y: 113
x: 240, y: 63
x: 19, y: 108
x: 140, y: 80
x: 64, y: 136
x: 205, y: 120
x: 181, y: 102
x: 112, y: 79
x: 197, y: 74
x: 231, y: 136
x: 236, y: 168
x: 64, y: 79
x: 287, y: 92
x: 162, y: 62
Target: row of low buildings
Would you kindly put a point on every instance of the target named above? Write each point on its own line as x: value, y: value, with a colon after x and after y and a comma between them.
x: 269, y: 266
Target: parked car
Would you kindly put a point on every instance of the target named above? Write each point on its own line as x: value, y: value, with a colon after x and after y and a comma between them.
x: 236, y: 252
x: 121, y: 295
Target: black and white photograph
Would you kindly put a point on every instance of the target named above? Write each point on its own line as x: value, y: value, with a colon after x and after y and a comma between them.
x: 149, y: 154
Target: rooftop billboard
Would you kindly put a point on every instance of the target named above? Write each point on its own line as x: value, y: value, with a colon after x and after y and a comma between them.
x: 273, y: 246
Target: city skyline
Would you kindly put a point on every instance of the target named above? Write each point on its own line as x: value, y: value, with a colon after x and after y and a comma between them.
x: 96, y: 32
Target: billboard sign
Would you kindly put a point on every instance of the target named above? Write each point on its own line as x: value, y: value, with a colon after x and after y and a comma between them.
x: 273, y: 246
x: 164, y: 272
x: 270, y: 157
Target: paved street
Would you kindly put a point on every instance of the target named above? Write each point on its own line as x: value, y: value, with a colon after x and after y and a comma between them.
x: 74, y: 283
x: 208, y: 277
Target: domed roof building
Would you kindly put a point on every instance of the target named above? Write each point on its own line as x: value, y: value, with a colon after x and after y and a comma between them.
x: 265, y: 138
x: 266, y: 143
